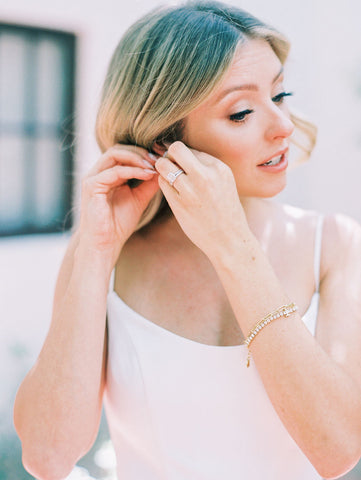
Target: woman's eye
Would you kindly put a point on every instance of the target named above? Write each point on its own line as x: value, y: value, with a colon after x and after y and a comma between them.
x: 279, y: 98
x: 240, y: 116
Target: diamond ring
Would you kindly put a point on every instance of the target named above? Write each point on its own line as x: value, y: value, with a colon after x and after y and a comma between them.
x: 171, y: 177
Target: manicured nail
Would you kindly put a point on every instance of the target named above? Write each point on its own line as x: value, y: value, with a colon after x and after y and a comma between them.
x: 152, y: 156
x: 165, y: 154
x: 148, y: 170
x: 148, y: 164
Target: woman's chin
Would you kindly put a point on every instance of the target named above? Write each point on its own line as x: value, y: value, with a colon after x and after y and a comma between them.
x: 267, y: 191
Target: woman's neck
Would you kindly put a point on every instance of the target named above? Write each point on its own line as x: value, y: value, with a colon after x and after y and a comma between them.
x: 259, y: 213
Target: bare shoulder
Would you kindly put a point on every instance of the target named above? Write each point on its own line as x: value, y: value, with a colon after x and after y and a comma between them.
x: 341, y: 234
x: 301, y: 222
x: 297, y: 215
x: 342, y: 241
x: 342, y: 229
x: 338, y: 323
x: 338, y: 229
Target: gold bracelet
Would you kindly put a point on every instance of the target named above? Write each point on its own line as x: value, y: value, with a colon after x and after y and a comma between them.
x: 284, y: 311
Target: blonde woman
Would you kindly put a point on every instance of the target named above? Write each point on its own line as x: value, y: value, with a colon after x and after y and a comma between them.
x: 233, y: 332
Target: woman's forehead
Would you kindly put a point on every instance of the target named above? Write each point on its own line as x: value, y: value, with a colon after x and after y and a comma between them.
x: 254, y: 63
x: 255, y: 66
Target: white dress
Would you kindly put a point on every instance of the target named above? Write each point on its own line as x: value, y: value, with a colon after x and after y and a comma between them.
x: 182, y: 410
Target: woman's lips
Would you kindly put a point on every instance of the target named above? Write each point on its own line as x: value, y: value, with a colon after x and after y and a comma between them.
x: 280, y: 167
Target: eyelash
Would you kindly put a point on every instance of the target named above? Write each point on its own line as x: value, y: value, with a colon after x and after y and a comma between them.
x: 279, y: 98
x: 241, y: 116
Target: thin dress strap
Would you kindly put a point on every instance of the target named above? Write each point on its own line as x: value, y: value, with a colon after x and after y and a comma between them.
x: 112, y: 281
x: 317, y: 255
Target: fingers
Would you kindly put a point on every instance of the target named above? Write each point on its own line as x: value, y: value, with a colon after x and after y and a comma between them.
x: 164, y: 167
x: 115, y: 177
x: 124, y: 155
x: 189, y: 159
x: 202, y: 173
x: 146, y: 190
x: 170, y: 193
x: 181, y: 155
x: 194, y: 163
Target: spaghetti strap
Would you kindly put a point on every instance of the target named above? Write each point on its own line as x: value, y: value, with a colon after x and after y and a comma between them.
x: 112, y: 281
x: 317, y: 254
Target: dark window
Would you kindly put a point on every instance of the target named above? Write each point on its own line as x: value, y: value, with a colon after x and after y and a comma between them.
x: 37, y: 78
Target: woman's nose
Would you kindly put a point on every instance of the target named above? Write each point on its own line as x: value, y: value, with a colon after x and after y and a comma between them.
x: 280, y: 124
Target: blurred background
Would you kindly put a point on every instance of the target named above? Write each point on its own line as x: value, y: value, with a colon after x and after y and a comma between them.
x: 53, y: 57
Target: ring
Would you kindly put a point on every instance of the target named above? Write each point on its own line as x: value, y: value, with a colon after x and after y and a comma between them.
x: 171, y: 177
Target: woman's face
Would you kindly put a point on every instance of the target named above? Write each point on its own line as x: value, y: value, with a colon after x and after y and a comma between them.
x: 245, y: 122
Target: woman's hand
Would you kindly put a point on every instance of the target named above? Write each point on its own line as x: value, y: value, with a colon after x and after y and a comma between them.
x: 110, y: 208
x: 204, y: 200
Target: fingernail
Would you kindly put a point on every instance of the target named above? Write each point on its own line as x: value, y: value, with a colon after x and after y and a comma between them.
x: 152, y: 156
x: 148, y: 170
x: 148, y: 164
x: 165, y: 154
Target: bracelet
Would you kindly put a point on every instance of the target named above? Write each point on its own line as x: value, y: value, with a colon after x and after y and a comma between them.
x: 284, y: 311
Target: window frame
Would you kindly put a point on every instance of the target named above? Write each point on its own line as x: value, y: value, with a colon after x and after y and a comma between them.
x: 29, y: 129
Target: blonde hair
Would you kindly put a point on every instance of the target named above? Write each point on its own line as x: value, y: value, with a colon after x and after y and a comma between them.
x: 167, y: 64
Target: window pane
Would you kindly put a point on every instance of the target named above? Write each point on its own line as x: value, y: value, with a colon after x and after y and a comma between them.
x: 50, y: 82
x: 48, y: 182
x: 12, y: 77
x: 12, y: 182
x: 36, y: 99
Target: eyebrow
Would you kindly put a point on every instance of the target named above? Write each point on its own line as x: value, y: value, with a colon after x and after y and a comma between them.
x: 250, y: 86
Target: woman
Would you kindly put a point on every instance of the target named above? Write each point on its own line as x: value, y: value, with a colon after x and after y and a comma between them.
x: 209, y: 370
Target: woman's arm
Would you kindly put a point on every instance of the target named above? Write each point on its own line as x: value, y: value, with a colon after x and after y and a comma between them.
x: 58, y: 405
x: 314, y: 387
